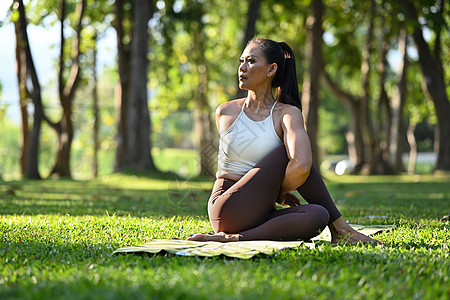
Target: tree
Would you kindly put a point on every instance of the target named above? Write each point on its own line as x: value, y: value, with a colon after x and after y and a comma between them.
x: 365, y: 95
x: 383, y: 114
x: 24, y: 94
x: 133, y: 132
x: 122, y: 25
x: 310, y: 90
x: 370, y: 129
x: 67, y: 87
x: 194, y: 70
x: 396, y: 148
x: 192, y: 18
x: 250, y: 31
x: 203, y: 123
x: 69, y: 14
x: 138, y: 124
x: 26, y: 72
x: 433, y: 73
x: 96, y: 111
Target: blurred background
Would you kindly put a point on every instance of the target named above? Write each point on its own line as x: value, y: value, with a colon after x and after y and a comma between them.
x: 91, y: 87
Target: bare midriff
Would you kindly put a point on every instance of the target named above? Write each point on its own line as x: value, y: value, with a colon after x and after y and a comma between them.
x: 230, y: 177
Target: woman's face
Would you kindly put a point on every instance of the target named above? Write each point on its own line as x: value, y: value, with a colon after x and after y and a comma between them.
x: 254, y: 72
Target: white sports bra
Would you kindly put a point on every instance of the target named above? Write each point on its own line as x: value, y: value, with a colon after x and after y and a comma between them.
x: 245, y: 143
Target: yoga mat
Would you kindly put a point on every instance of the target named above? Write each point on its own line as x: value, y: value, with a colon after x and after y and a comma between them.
x: 241, y: 249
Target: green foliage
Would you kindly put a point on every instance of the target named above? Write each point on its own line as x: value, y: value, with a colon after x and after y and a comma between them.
x: 57, y: 238
x: 83, y: 118
x: 47, y: 149
x: 285, y: 21
x: 40, y: 11
x: 342, y: 54
x: 346, y: 24
x: 177, y: 161
x: 173, y: 131
x: 174, y: 68
x: 180, y: 161
x: 333, y: 125
x: 9, y: 144
x: 408, y: 198
x: 176, y: 62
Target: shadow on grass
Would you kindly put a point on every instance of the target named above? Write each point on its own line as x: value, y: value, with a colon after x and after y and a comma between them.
x: 87, y: 275
x: 156, y: 194
x: 160, y: 175
x: 389, y: 198
x: 365, y: 200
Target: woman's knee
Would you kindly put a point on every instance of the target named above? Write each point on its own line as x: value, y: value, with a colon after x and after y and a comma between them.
x: 320, y: 215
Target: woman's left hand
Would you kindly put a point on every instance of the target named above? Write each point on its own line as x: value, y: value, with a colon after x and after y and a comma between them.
x: 288, y: 199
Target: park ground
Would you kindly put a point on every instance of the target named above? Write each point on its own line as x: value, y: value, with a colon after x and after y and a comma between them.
x: 57, y: 239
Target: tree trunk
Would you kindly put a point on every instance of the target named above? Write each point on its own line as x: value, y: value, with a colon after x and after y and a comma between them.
x: 122, y: 88
x: 360, y: 136
x: 203, y: 124
x: 96, y: 112
x: 24, y: 142
x: 64, y: 131
x: 250, y: 31
x: 356, y: 150
x: 367, y: 131
x: 383, y: 120
x: 138, y: 145
x: 412, y: 143
x: 203, y: 127
x: 31, y: 148
x: 397, y: 105
x: 67, y: 88
x: 313, y: 55
x: 434, y: 85
x: 24, y: 96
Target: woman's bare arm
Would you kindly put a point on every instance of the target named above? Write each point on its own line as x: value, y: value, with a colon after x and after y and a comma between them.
x: 298, y: 150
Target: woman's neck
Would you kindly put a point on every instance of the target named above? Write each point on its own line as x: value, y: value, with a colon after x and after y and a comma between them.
x: 257, y: 101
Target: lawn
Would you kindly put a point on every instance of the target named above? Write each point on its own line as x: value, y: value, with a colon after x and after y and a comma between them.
x: 57, y: 238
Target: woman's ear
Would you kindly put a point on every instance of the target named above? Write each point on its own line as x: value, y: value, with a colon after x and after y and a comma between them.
x: 272, y: 69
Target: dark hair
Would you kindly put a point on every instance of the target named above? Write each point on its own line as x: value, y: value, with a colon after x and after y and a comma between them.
x: 285, y: 80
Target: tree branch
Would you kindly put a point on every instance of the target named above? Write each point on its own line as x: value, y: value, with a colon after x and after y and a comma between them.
x: 74, y: 75
x: 346, y: 98
x: 62, y: 5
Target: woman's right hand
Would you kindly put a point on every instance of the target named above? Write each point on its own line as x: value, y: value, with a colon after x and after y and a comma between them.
x: 288, y: 199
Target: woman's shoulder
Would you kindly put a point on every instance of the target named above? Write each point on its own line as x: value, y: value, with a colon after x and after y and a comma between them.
x: 288, y: 109
x: 232, y: 106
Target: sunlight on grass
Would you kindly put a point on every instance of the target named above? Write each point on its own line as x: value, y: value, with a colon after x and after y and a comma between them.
x: 185, y: 162
x: 387, y: 178
x: 57, y: 238
x: 168, y: 181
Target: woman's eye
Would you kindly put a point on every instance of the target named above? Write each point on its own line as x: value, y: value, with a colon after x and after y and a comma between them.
x: 241, y: 60
x: 251, y: 60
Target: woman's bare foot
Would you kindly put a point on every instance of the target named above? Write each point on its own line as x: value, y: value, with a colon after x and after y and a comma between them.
x: 341, y: 231
x: 218, y: 237
x: 354, y: 238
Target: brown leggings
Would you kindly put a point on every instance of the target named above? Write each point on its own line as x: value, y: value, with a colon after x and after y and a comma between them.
x: 247, y: 206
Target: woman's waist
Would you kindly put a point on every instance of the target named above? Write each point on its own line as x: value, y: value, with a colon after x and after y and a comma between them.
x: 229, y: 176
x: 232, y: 169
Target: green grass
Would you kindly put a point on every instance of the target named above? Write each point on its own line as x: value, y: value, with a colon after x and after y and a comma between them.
x: 57, y: 238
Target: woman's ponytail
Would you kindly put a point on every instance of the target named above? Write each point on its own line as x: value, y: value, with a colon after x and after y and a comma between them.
x: 285, y: 80
x: 288, y: 92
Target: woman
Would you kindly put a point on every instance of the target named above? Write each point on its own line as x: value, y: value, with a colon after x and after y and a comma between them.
x: 264, y: 154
